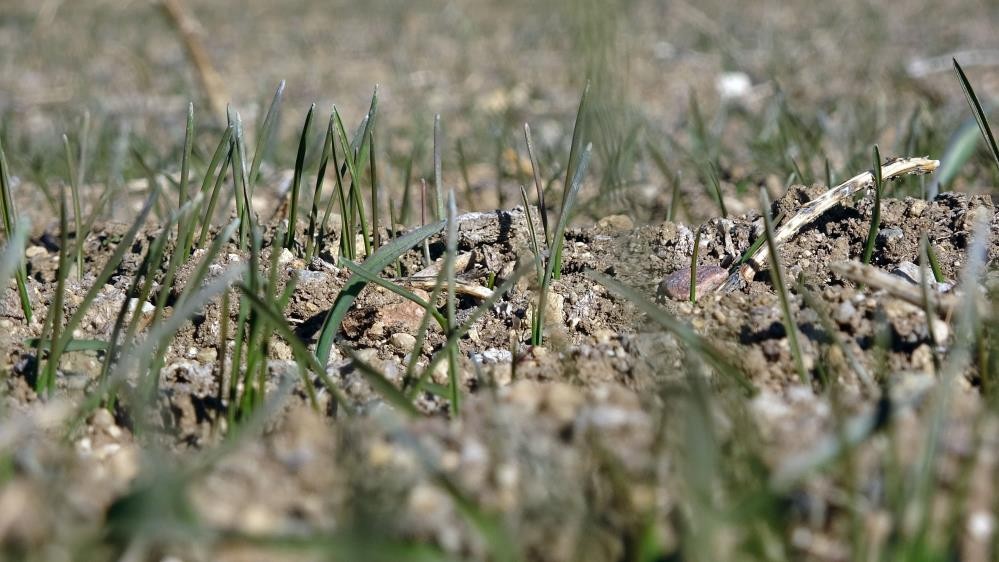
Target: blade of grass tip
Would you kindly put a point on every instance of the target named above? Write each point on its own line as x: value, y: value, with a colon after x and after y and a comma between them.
x: 206, y: 219
x: 102, y: 278
x: 376, y: 240
x: 777, y: 272
x: 242, y: 193
x: 45, y: 382
x: 458, y: 332
x: 976, y: 107
x: 301, y: 352
x: 660, y: 161
x: 438, y: 169
x: 423, y: 220
x: 384, y: 387
x: 578, y: 130
x: 81, y: 170
x: 535, y: 249
x: 463, y: 168
x: 407, y: 188
x: 938, y: 275
x: 185, y: 167
x: 265, y: 135
x: 691, y: 340
x: 375, y: 263
x: 346, y: 236
x: 558, y: 239
x: 296, y: 184
x: 77, y: 213
x: 359, y: 144
x: 536, y: 171
x: 716, y: 185
x: 9, y: 219
x: 315, y: 229
x: 872, y: 234
x: 449, y: 257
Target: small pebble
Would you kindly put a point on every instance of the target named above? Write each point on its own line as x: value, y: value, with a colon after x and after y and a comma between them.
x: 845, y: 313
x: 676, y: 285
x: 403, y: 341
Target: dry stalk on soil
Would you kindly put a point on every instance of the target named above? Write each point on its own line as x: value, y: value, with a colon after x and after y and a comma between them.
x: 871, y: 276
x: 892, y: 169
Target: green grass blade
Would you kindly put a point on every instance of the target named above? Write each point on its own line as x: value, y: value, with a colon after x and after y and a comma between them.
x: 449, y: 257
x: 74, y: 344
x: 314, y: 228
x: 296, y: 184
x: 265, y: 135
x: 375, y: 263
x: 375, y: 236
x: 9, y: 212
x: 872, y: 234
x: 536, y: 171
x: 960, y: 147
x: 12, y: 257
x: 777, y: 273
x: 185, y: 169
x: 976, y: 108
x: 77, y: 213
x: 438, y: 169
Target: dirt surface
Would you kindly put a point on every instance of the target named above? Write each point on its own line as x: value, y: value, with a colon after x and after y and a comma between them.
x: 536, y: 425
x: 648, y: 429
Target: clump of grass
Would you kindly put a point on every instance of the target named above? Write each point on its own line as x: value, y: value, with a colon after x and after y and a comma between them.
x: 777, y: 274
x: 872, y: 234
x: 314, y: 227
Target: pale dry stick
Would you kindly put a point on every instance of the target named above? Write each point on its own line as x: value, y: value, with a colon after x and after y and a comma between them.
x: 870, y: 276
x: 187, y: 28
x: 892, y: 169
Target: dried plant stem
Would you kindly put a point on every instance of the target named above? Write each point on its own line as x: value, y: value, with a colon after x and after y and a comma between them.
x: 870, y: 276
x: 180, y: 17
x: 890, y: 170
